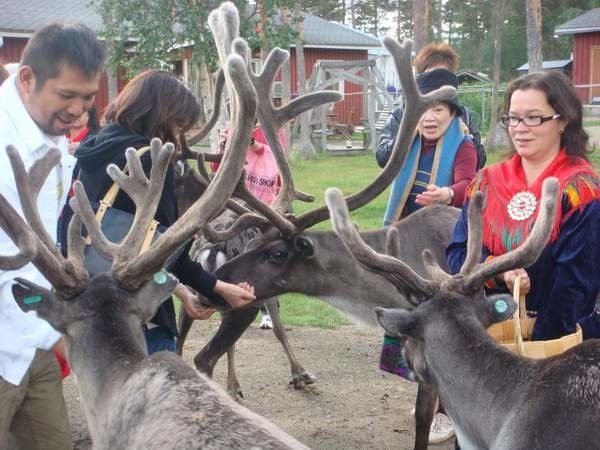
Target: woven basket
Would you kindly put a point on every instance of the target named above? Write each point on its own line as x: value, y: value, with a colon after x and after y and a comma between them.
x: 514, y: 333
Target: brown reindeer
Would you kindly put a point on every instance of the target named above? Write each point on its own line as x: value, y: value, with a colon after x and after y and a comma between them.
x: 497, y: 400
x: 131, y: 400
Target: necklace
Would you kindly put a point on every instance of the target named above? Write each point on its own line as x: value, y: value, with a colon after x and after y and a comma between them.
x: 521, y: 205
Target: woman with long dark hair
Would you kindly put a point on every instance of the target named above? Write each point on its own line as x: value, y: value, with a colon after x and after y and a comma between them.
x: 153, y: 104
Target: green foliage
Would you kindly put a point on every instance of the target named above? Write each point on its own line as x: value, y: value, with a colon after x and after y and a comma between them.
x: 469, y: 27
x: 326, y: 9
x: 367, y: 15
x: 153, y: 35
x: 480, y: 102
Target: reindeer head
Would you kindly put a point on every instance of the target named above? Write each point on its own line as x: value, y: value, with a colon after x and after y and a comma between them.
x: 449, y: 305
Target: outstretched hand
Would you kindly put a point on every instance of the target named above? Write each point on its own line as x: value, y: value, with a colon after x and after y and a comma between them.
x: 192, y: 307
x: 434, y: 195
x: 238, y: 296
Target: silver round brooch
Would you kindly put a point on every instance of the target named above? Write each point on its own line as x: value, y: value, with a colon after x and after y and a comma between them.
x: 521, y: 206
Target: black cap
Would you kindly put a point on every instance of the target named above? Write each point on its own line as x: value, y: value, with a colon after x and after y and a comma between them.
x: 434, y: 79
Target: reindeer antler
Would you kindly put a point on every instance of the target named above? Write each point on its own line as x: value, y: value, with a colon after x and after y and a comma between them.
x: 224, y: 23
x: 130, y: 267
x: 30, y: 236
x: 415, y: 105
x: 273, y: 118
x: 399, y: 273
x: 473, y: 275
x: 220, y: 83
x: 522, y: 256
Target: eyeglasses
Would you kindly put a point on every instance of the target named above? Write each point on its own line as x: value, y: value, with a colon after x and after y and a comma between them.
x: 528, y: 121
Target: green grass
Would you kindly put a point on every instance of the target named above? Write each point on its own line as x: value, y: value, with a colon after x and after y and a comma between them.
x: 591, y: 122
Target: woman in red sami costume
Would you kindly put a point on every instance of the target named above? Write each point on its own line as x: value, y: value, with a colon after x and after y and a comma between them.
x: 543, y: 115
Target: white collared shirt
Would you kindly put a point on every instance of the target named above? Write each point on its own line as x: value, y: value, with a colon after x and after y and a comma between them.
x: 21, y: 333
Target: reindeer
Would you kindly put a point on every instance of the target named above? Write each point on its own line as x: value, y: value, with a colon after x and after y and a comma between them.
x: 132, y: 400
x: 496, y: 399
x: 288, y: 258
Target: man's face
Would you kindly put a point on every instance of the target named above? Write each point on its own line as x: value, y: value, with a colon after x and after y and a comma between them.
x: 56, y: 104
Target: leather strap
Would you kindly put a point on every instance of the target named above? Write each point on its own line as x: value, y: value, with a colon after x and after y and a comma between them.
x: 110, y: 197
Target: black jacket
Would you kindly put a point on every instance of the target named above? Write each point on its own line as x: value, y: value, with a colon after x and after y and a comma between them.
x: 93, y: 156
x: 390, y: 130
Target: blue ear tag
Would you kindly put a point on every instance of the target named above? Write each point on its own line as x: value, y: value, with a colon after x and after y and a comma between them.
x: 160, y: 278
x: 501, y: 306
x: 32, y: 299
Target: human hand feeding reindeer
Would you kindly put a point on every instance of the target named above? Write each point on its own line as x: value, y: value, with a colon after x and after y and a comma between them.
x: 496, y: 399
x: 132, y: 400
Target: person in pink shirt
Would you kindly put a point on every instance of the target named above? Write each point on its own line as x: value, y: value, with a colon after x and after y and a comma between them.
x: 261, y: 171
x: 261, y: 177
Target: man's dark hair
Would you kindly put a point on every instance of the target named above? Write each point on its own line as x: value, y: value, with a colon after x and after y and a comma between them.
x: 63, y: 45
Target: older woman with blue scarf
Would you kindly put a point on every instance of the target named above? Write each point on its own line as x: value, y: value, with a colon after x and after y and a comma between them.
x: 442, y: 160
x: 440, y: 165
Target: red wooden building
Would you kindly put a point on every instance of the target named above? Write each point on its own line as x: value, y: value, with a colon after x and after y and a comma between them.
x: 323, y: 41
x: 331, y: 41
x: 586, y: 54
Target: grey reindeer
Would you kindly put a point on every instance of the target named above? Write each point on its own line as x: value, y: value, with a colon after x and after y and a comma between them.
x: 132, y: 401
x: 496, y: 399
x: 291, y: 258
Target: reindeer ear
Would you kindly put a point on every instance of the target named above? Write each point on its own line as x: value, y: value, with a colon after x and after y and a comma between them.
x: 31, y: 297
x: 152, y: 294
x: 499, y: 307
x: 304, y: 246
x: 396, y: 321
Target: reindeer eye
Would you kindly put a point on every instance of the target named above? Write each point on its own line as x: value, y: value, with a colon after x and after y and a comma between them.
x: 279, y: 256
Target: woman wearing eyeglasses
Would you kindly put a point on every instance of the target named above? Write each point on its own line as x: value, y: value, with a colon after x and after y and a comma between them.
x: 543, y: 116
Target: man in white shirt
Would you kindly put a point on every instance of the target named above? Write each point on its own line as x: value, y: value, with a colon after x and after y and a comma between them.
x: 56, y: 83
